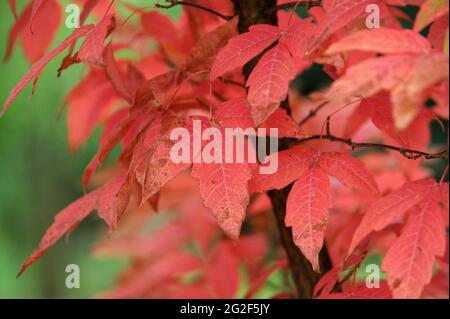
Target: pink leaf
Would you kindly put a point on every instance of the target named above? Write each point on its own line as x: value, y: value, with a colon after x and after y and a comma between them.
x: 338, y: 14
x: 407, y: 98
x: 203, y: 54
x: 410, y: 260
x: 37, y: 67
x: 224, y: 189
x: 391, y: 208
x: 372, y: 76
x: 114, y: 75
x: 382, y: 40
x: 110, y: 200
x: 233, y: 113
x: 285, y: 124
x: 236, y: 114
x: 91, y: 50
x: 18, y: 27
x: 429, y: 12
x: 269, y: 82
x: 159, y: 26
x: 298, y: 37
x: 152, y: 164
x: 307, y: 213
x: 36, y: 44
x: 34, y: 10
x: 349, y: 171
x: 86, y: 107
x: 292, y: 164
x: 224, y: 261
x: 243, y: 48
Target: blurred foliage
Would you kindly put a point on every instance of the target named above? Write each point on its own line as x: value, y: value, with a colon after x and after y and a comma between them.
x: 39, y: 177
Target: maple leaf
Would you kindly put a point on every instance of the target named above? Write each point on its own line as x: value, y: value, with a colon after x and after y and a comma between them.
x: 224, y: 261
x: 17, y: 28
x: 89, y: 5
x: 110, y: 200
x: 257, y: 283
x: 337, y: 15
x: 298, y: 37
x: 35, y: 44
x: 269, y: 82
x: 307, y: 213
x: 430, y: 11
x: 159, y: 26
x: 360, y: 292
x: 286, y: 125
x: 327, y: 282
x: 153, y: 245
x: 114, y: 74
x: 427, y: 71
x: 292, y: 164
x: 406, y: 76
x: 151, y: 163
x: 243, y: 48
x: 86, y: 107
x: 35, y: 7
x: 383, y: 40
x: 236, y: 113
x: 409, y: 261
x: 391, y: 208
x: 122, y: 125
x: 233, y: 113
x: 224, y: 189
x: 160, y: 89
x: 203, y: 54
x: 156, y: 274
x: 439, y: 34
x: 443, y: 190
x: 372, y: 76
x: 349, y: 171
x: 37, y: 67
x: 91, y: 50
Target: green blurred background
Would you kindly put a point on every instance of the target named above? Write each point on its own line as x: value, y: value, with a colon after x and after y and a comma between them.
x: 39, y: 177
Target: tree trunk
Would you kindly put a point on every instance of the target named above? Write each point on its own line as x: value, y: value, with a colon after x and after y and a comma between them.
x: 305, y: 278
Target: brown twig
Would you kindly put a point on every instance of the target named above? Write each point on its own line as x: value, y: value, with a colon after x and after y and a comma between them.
x: 227, y: 81
x: 292, y: 5
x: 174, y: 3
x: 313, y: 113
x: 406, y: 152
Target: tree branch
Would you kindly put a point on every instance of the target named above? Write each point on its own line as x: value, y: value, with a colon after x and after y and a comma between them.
x: 174, y: 3
x: 313, y: 113
x: 292, y: 5
x: 304, y: 277
x: 406, y: 152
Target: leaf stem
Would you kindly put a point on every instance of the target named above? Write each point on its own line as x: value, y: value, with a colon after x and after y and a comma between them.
x: 174, y: 3
x: 294, y: 4
x: 312, y: 113
x: 406, y: 152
